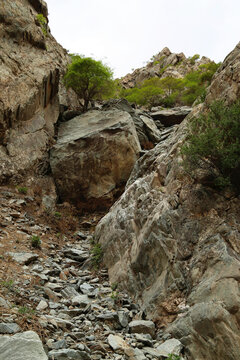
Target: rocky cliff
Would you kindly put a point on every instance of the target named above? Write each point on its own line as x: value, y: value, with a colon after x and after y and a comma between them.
x: 31, y: 62
x: 174, y: 243
x: 162, y: 65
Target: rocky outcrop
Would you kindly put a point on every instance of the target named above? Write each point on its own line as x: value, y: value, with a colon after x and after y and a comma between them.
x: 173, y: 243
x: 162, y: 65
x: 94, y: 156
x: 169, y: 117
x: 31, y: 62
x: 225, y: 83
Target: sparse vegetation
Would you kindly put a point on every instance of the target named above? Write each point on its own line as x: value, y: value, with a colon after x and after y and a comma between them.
x: 35, y: 242
x: 115, y: 295
x: 114, y: 286
x: 43, y: 23
x: 22, y: 189
x: 23, y: 310
x: 213, y: 141
x: 57, y: 214
x: 97, y: 255
x: 8, y: 284
x: 173, y: 357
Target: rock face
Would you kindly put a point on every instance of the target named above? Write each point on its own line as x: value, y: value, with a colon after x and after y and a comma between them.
x: 163, y: 65
x: 147, y: 130
x: 24, y: 346
x: 173, y: 243
x: 94, y: 156
x: 225, y: 83
x: 169, y: 117
x: 31, y: 63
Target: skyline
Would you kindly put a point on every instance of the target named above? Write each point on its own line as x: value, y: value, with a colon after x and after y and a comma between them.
x: 125, y: 36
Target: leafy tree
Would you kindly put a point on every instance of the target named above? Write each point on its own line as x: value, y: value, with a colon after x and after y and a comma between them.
x: 214, y: 141
x: 149, y: 93
x: 171, y: 85
x: 90, y: 79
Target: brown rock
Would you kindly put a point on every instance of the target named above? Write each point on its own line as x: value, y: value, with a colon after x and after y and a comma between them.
x: 31, y: 64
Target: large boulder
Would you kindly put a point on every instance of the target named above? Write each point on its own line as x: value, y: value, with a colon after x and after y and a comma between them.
x: 93, y: 157
x: 173, y: 243
x: 23, y: 346
x: 31, y: 64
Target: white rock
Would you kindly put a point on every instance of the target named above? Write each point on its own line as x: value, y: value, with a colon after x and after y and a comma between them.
x: 42, y: 305
x: 22, y: 346
x: 171, y: 346
x: 117, y: 343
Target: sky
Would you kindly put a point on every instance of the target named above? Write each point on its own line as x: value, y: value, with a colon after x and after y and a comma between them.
x: 125, y: 34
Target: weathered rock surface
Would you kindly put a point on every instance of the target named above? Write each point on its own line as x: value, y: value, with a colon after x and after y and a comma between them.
x: 225, y: 83
x: 173, y: 243
x: 23, y: 346
x: 162, y: 65
x: 9, y: 328
x: 169, y: 117
x: 31, y: 63
x: 23, y: 258
x: 94, y: 156
x: 147, y: 131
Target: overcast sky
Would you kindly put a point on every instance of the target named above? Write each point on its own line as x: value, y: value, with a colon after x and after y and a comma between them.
x: 126, y: 33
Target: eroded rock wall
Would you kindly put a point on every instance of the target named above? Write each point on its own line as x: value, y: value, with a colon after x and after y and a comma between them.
x: 174, y: 243
x: 30, y: 66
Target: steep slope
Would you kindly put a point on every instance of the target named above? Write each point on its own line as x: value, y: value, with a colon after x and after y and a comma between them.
x: 174, y: 243
x: 31, y: 62
x: 164, y: 64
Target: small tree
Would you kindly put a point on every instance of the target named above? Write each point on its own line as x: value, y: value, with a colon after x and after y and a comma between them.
x: 90, y: 79
x: 214, y: 139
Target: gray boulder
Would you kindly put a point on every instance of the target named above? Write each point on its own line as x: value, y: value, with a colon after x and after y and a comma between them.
x: 22, y: 346
x: 142, y: 327
x: 93, y: 157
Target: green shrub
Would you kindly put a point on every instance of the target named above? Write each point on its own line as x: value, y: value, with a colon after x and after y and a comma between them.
x: 22, y: 190
x: 8, y: 284
x: 23, y: 310
x: 173, y: 357
x: 57, y: 214
x: 36, y: 242
x: 194, y: 58
x: 97, y: 255
x: 114, y: 286
x: 43, y: 23
x: 214, y: 139
x: 170, y: 91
